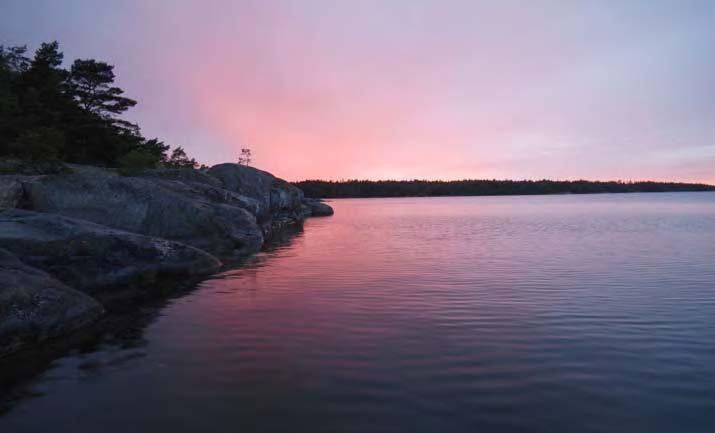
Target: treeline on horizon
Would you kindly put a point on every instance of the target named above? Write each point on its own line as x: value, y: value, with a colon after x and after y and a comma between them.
x: 48, y: 112
x: 429, y: 188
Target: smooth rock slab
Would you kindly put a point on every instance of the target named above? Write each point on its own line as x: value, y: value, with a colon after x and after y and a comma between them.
x: 151, y: 206
x: 34, y: 306
x: 93, y: 258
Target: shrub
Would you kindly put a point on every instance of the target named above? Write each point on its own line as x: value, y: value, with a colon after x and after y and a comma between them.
x: 39, y: 144
x: 136, y: 161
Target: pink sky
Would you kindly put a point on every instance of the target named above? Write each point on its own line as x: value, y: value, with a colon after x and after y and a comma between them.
x: 410, y: 89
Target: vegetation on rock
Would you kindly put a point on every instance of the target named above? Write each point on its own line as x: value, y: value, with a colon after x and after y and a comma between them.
x: 51, y: 113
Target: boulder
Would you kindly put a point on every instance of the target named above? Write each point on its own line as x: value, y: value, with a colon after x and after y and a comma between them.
x: 93, y: 258
x: 244, y: 180
x: 35, y: 306
x: 315, y: 207
x: 171, y: 209
x: 201, y: 186
x: 276, y: 196
x: 10, y: 191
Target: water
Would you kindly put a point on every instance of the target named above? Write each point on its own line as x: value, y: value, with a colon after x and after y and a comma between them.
x: 507, y: 314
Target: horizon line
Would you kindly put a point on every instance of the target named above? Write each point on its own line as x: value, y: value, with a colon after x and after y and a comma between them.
x: 631, y: 181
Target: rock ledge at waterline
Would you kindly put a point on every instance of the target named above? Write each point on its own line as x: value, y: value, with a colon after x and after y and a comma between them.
x: 73, y: 237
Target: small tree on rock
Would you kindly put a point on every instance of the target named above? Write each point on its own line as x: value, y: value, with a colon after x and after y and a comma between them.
x: 245, y: 158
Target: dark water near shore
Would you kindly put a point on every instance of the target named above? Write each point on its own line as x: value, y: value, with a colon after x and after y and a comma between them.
x: 506, y: 314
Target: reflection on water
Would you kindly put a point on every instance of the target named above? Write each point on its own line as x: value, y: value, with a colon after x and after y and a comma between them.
x: 523, y: 314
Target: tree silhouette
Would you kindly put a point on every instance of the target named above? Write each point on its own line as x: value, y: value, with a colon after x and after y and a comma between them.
x: 48, y: 112
x: 13, y: 58
x: 47, y: 57
x: 91, y: 84
x: 180, y: 160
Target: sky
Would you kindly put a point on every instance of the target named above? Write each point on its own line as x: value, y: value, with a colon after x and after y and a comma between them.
x: 405, y: 89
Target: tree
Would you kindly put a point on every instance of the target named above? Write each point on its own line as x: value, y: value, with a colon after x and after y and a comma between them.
x: 157, y: 149
x: 12, y: 64
x: 91, y: 82
x: 47, y: 112
x: 43, y: 82
x: 98, y: 135
x: 48, y: 56
x: 245, y: 158
x: 13, y: 58
x: 43, y: 87
x: 180, y: 160
x: 40, y: 102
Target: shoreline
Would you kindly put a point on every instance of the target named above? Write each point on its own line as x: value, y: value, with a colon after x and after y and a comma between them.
x: 514, y: 195
x: 127, y: 317
x: 79, y: 241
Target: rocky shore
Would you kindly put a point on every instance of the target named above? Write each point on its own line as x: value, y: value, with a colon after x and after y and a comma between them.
x: 74, y: 239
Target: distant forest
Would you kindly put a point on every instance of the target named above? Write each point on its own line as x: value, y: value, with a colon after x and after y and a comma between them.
x: 426, y: 188
x: 48, y: 112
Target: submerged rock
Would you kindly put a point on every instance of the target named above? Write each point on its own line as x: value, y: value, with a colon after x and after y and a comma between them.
x: 315, y: 207
x: 35, y: 306
x: 93, y: 258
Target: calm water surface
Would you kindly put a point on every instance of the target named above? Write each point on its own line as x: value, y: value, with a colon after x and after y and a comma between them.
x: 496, y: 314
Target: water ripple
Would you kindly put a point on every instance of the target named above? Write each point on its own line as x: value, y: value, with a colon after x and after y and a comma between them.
x: 508, y: 314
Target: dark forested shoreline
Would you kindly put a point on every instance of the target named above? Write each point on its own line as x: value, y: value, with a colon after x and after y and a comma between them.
x: 431, y: 188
